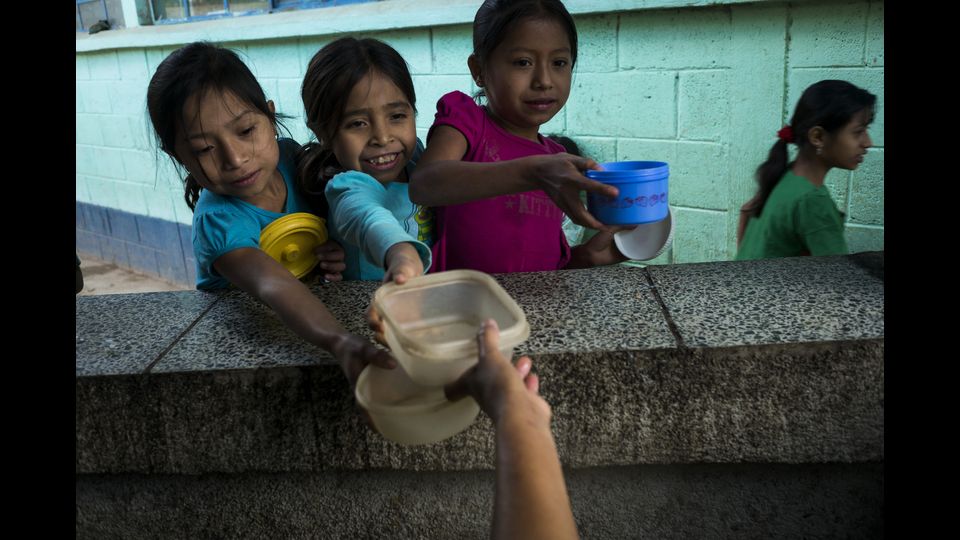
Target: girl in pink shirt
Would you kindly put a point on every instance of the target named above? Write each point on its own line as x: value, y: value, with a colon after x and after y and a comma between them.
x: 500, y: 188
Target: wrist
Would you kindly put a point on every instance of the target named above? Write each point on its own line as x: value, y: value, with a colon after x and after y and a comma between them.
x: 527, y: 171
x: 332, y: 342
x: 522, y: 415
x: 516, y: 405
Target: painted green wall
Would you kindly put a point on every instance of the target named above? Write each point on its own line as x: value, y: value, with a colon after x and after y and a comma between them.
x: 704, y: 88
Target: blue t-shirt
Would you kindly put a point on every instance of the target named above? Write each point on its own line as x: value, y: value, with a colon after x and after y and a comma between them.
x: 223, y: 223
x: 367, y: 218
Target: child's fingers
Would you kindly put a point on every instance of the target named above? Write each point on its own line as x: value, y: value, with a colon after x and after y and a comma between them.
x: 329, y: 251
x: 382, y: 359
x: 333, y: 267
x: 583, y: 164
x: 600, y: 188
x: 375, y: 323
x: 333, y: 277
x: 579, y: 215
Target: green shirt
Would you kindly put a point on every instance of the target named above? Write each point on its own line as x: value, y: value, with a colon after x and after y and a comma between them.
x: 798, y: 218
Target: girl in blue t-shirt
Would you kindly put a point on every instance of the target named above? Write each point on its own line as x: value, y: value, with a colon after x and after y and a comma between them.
x: 211, y: 116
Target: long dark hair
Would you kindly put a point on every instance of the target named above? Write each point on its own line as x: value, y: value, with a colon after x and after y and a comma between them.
x: 495, y: 18
x: 830, y: 104
x: 331, y: 76
x: 188, y: 73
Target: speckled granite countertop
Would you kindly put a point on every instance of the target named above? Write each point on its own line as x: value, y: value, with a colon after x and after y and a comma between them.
x: 778, y: 360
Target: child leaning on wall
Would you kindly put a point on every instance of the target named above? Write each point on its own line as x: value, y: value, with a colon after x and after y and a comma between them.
x: 361, y: 105
x: 499, y: 188
x: 210, y: 115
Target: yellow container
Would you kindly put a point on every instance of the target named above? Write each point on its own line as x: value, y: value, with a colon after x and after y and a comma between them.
x: 290, y: 241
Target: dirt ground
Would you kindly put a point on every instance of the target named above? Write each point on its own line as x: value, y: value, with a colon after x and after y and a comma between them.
x: 100, y: 277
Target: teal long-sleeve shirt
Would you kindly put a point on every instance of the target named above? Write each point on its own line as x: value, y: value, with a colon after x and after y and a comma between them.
x: 367, y: 218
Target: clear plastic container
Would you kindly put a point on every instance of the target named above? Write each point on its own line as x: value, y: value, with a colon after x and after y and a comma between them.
x: 408, y: 413
x: 431, y: 322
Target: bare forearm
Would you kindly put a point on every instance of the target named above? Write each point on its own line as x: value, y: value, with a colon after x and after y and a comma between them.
x: 305, y: 314
x: 268, y: 281
x: 531, y: 497
x: 442, y: 183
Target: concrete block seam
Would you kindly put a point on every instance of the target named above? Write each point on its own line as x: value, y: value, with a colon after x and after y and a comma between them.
x: 179, y: 336
x: 674, y: 329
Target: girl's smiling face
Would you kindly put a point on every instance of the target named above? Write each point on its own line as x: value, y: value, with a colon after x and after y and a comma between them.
x: 377, y: 134
x: 846, y: 147
x: 228, y: 146
x: 527, y: 77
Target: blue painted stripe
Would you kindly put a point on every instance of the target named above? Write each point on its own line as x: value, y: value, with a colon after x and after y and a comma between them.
x: 146, y: 244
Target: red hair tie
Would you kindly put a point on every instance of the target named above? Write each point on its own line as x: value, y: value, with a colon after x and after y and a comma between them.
x: 786, y: 134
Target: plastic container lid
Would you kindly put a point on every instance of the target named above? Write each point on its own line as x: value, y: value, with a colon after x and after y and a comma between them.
x: 437, y: 316
x: 627, y: 170
x: 290, y: 241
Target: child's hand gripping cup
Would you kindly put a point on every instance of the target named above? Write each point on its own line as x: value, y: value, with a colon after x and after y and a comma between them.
x: 643, y: 192
x: 642, y: 202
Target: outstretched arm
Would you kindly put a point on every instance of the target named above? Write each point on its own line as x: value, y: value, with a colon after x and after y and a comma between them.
x: 531, y: 496
x: 442, y: 179
x: 358, y: 210
x: 300, y: 310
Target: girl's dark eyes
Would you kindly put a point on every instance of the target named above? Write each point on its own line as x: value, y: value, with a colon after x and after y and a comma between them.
x: 248, y: 131
x: 522, y: 62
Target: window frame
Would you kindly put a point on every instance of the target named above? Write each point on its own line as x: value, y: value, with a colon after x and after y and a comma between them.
x: 86, y: 26
x: 273, y: 6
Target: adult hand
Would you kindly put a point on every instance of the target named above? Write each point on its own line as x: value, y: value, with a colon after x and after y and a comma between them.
x: 497, y: 385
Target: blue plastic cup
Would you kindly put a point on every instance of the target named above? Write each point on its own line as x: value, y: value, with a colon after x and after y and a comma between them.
x: 643, y: 192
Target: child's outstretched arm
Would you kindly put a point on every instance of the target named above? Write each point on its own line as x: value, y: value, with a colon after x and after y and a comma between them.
x: 531, y: 498
x: 267, y: 280
x: 441, y: 178
x: 402, y: 262
x: 358, y: 210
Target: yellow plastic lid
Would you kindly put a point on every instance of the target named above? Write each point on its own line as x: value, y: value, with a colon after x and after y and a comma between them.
x: 290, y: 241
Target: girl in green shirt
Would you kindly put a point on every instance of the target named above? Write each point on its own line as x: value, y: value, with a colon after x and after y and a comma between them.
x: 792, y: 213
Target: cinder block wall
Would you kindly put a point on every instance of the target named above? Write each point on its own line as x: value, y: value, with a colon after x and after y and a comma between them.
x: 704, y: 88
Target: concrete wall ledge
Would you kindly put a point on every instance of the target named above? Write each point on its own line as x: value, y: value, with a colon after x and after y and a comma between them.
x: 777, y: 361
